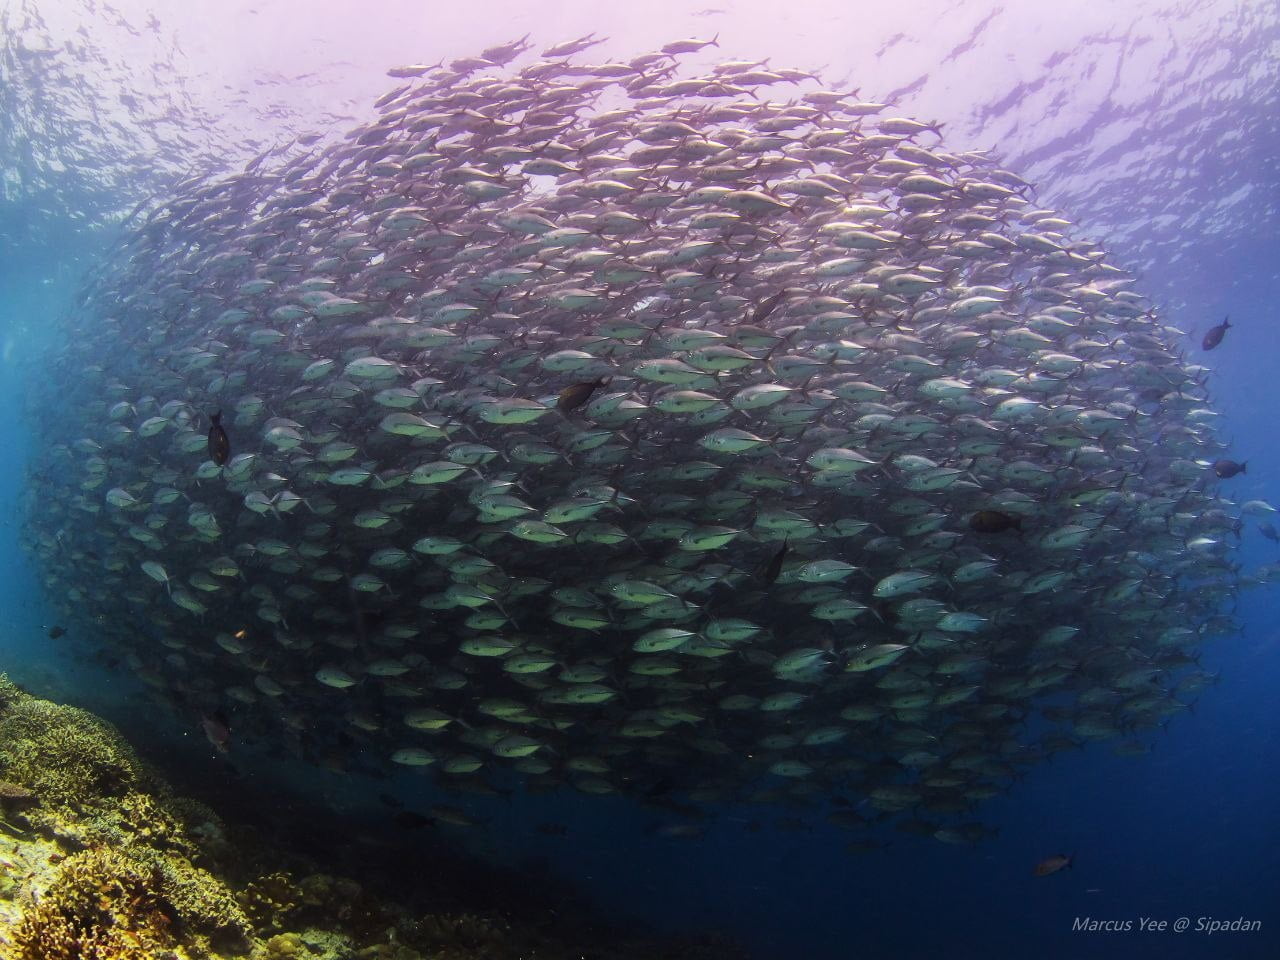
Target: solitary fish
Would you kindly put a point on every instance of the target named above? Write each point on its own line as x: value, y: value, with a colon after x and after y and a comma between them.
x: 1226, y: 469
x: 576, y: 395
x: 1215, y: 335
x: 218, y: 730
x: 56, y: 631
x: 994, y: 521
x: 1053, y: 865
x: 219, y: 442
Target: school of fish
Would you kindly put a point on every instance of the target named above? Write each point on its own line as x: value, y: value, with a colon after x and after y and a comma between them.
x: 695, y: 435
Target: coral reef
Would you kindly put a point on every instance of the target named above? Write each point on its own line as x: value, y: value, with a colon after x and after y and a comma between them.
x: 99, y: 861
x: 12, y: 795
x: 270, y: 901
x: 118, y: 905
x: 69, y: 758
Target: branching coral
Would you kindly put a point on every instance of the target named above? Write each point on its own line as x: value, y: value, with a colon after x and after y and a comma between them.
x: 69, y: 758
x: 109, y: 904
x: 91, y: 787
x: 102, y: 906
x: 141, y: 815
x: 203, y: 904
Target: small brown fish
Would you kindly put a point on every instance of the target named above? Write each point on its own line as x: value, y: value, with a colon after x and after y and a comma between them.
x: 1053, y: 864
x: 994, y: 521
x: 219, y: 442
x: 576, y: 395
x: 1226, y: 469
x: 1215, y: 334
x: 56, y: 631
x: 218, y: 730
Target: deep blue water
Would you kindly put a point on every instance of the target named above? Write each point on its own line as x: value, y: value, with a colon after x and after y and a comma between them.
x: 1190, y: 830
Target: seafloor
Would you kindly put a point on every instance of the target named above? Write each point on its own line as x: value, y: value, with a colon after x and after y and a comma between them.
x: 99, y: 860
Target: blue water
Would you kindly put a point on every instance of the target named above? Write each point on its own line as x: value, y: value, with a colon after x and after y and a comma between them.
x: 1156, y: 129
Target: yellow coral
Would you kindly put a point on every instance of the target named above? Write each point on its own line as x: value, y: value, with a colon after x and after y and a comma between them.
x: 100, y: 907
x: 269, y: 901
x: 91, y: 786
x: 282, y: 947
x: 70, y: 758
x: 125, y: 904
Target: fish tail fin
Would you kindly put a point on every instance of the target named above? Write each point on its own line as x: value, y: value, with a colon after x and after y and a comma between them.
x: 773, y: 444
x: 507, y: 615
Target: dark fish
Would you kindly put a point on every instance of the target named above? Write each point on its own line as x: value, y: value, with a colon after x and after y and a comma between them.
x: 766, y: 308
x: 218, y: 729
x: 1053, y: 865
x: 219, y: 442
x: 774, y: 567
x: 994, y: 521
x: 1269, y: 531
x: 575, y: 396
x: 553, y: 829
x: 55, y: 632
x: 389, y: 801
x: 1226, y: 469
x: 1215, y: 335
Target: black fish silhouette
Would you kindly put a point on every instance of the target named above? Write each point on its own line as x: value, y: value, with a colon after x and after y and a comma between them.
x: 575, y: 396
x: 1215, y: 335
x: 1226, y: 469
x: 219, y: 442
